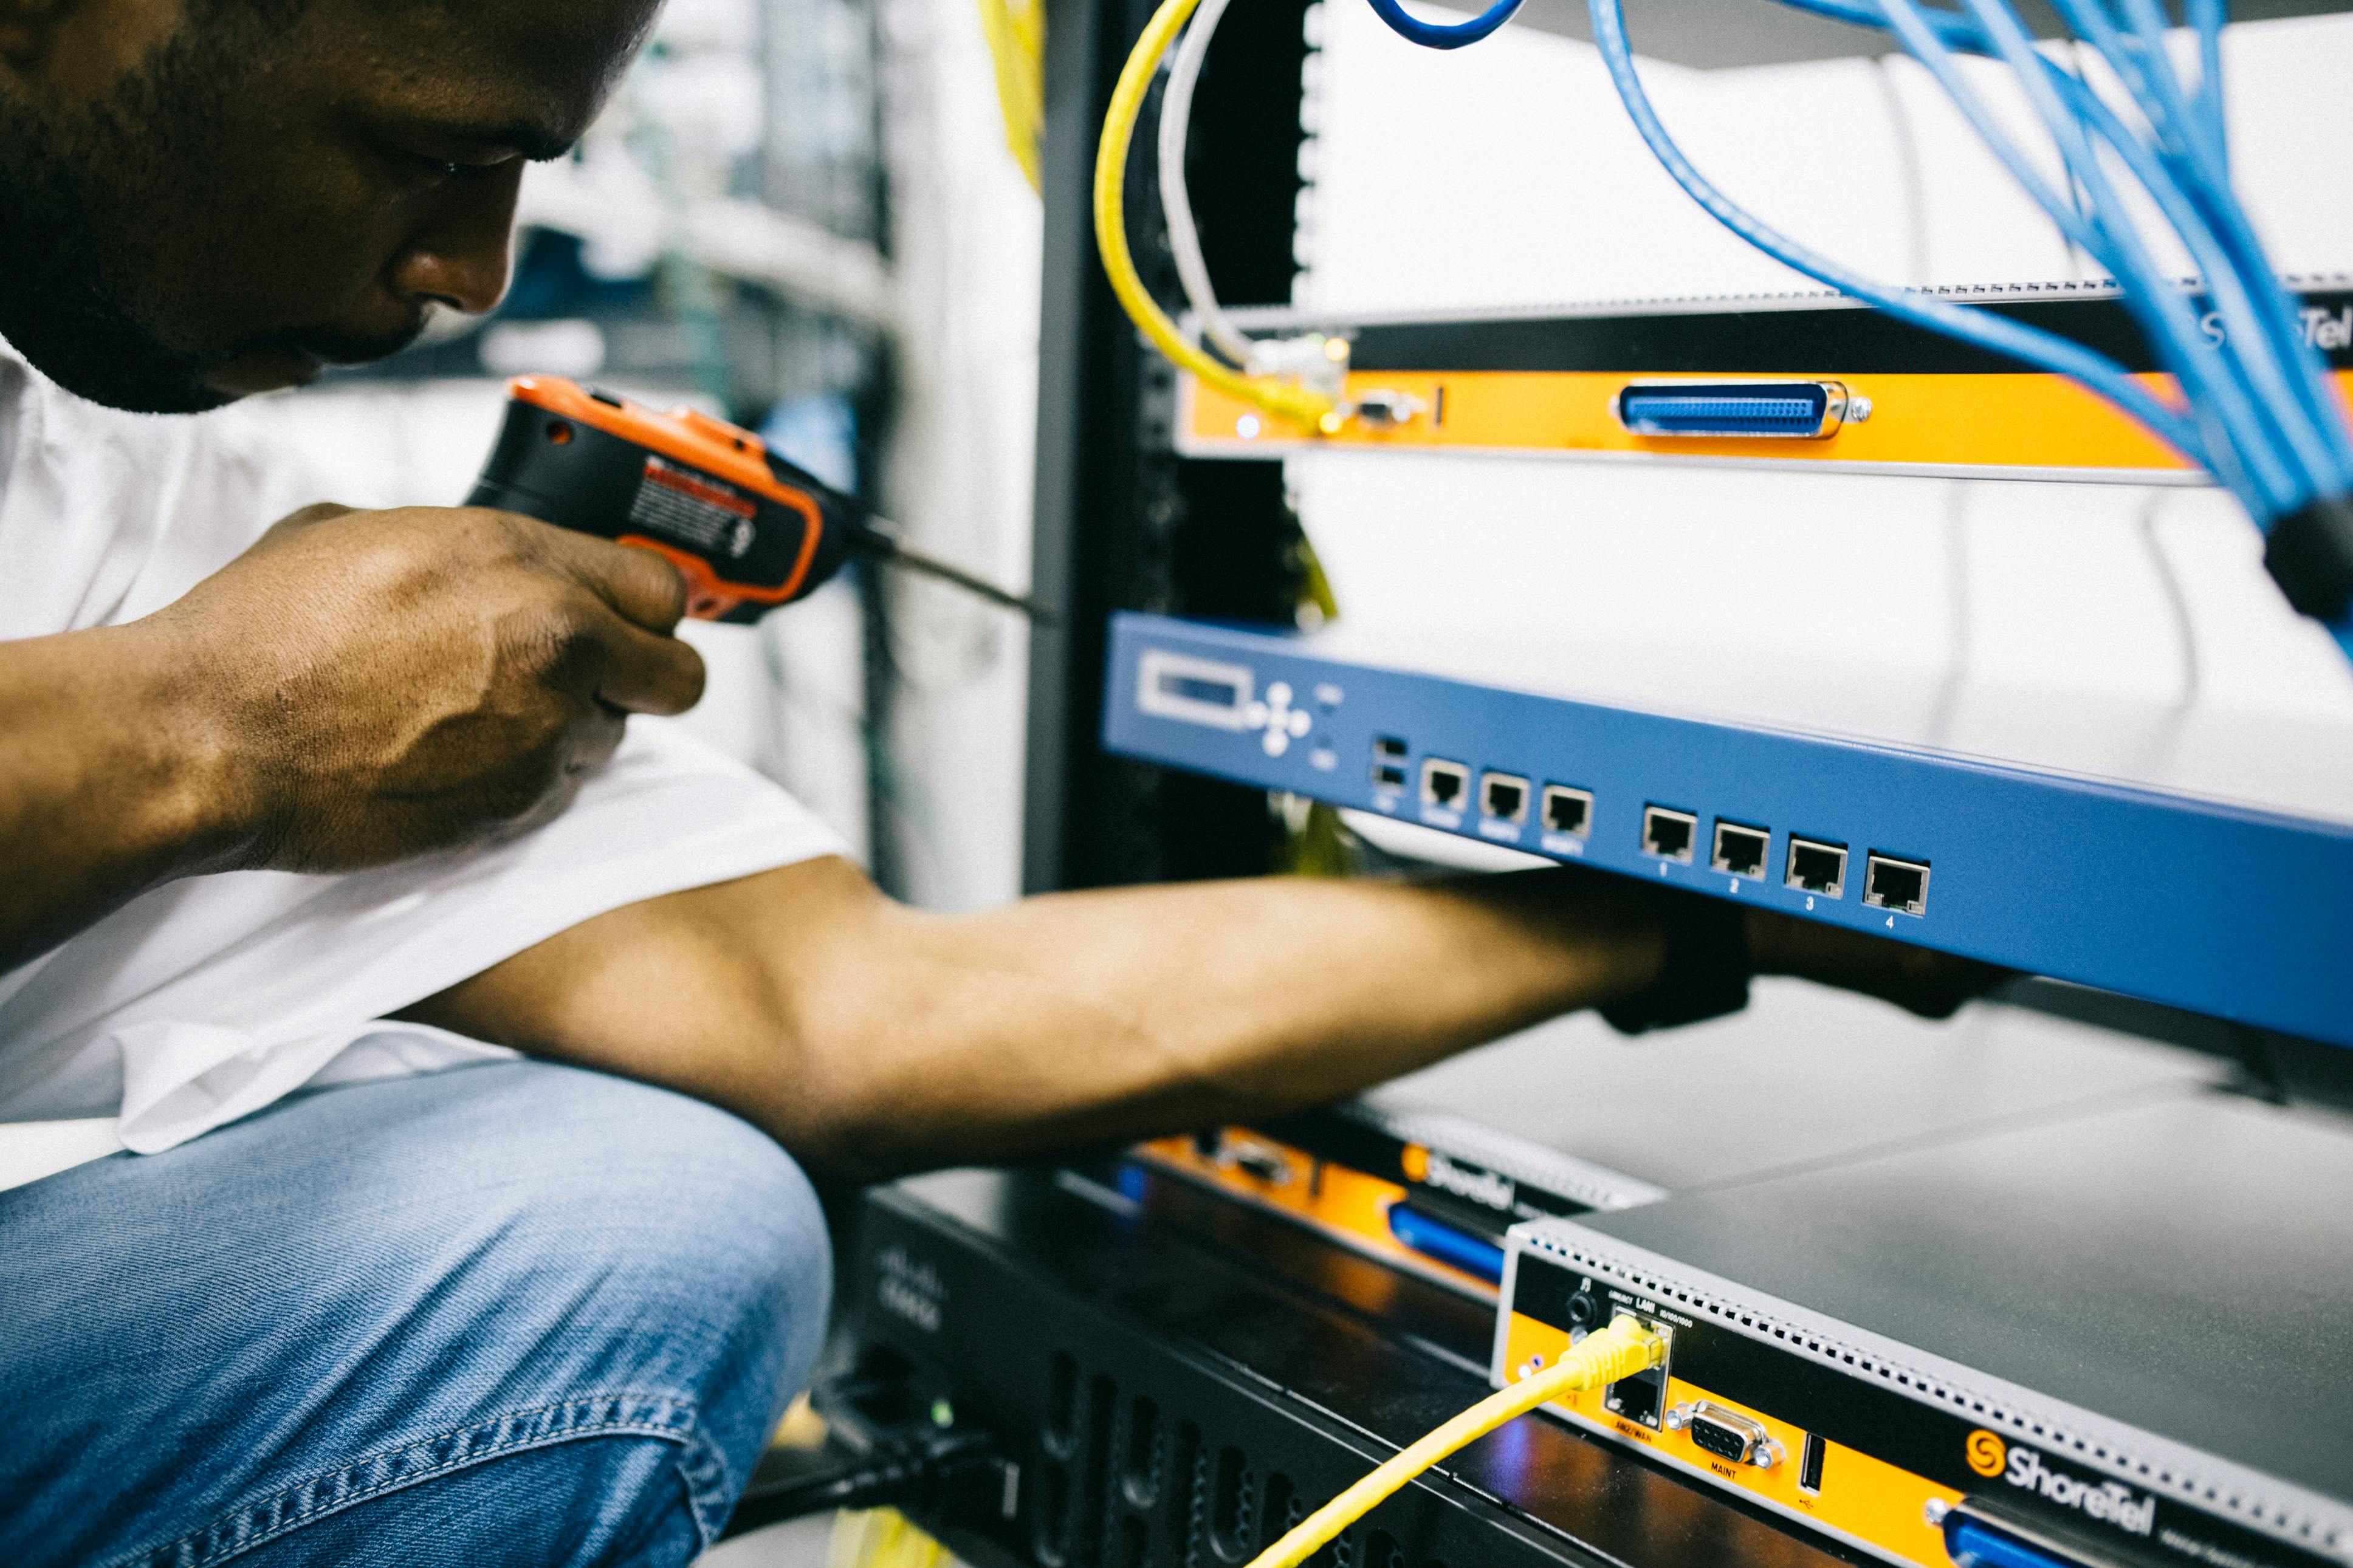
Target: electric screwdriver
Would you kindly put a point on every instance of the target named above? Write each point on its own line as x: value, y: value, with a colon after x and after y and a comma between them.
x: 747, y: 529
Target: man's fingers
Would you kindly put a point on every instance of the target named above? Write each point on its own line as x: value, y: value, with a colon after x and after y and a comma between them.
x: 645, y: 672
x: 638, y: 583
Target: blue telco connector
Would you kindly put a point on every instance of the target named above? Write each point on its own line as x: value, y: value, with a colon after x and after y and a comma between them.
x: 1446, y: 1243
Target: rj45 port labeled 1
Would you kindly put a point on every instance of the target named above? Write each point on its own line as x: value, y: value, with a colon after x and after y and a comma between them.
x: 1669, y: 834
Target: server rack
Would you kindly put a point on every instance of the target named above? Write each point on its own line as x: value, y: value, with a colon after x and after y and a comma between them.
x: 1172, y: 1377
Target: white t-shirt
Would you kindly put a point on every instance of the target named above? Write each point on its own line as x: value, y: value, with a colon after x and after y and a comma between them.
x: 209, y: 997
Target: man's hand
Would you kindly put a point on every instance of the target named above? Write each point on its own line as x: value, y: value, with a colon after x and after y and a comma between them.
x: 1918, y: 979
x: 400, y: 682
x: 356, y: 689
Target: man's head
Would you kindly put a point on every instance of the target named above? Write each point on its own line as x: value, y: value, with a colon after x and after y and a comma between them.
x: 203, y: 199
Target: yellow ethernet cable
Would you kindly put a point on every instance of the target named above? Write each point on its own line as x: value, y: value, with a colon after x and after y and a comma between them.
x: 1311, y: 411
x: 1622, y: 1350
x: 1016, y: 32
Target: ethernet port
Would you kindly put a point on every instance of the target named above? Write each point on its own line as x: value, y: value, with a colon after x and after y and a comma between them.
x: 1669, y: 834
x: 1898, y: 885
x: 1637, y: 1398
x: 1817, y: 867
x: 1503, y: 797
x: 1568, y: 810
x: 1740, y: 851
x: 1444, y: 783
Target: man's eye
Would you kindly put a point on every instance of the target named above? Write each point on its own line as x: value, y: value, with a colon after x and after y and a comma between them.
x: 446, y: 169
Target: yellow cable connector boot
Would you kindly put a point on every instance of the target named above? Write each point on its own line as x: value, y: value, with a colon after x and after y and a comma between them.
x: 1622, y: 1350
x: 1311, y: 411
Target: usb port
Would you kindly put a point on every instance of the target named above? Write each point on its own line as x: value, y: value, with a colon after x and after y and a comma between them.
x: 1810, y: 1463
x: 1503, y: 797
x: 1568, y: 810
x: 1892, y: 884
x: 1816, y: 867
x: 1444, y: 783
x: 1740, y: 851
x: 1388, y: 748
x: 1669, y: 834
x: 1388, y: 776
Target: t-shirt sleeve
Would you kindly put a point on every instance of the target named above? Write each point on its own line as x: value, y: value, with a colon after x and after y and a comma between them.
x: 206, y: 1000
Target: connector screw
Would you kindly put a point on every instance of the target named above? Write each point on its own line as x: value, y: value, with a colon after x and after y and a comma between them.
x: 1858, y: 409
x: 1935, y: 1512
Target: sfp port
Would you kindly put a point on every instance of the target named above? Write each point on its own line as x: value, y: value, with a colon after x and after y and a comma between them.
x: 1740, y: 851
x: 1892, y: 884
x: 1444, y: 783
x: 1568, y: 810
x: 1669, y: 834
x: 1503, y: 796
x: 1817, y: 867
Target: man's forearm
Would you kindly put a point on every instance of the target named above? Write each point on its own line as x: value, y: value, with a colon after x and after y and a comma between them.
x: 109, y: 782
x: 873, y: 1039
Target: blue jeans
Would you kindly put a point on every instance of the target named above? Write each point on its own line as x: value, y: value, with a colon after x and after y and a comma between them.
x: 513, y: 1313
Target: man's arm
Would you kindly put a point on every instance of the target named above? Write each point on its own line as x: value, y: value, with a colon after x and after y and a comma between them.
x: 871, y: 1040
x: 357, y: 687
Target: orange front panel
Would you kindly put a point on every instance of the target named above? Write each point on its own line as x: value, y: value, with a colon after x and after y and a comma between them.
x: 1344, y: 1202
x: 1997, y: 421
x: 1861, y: 1498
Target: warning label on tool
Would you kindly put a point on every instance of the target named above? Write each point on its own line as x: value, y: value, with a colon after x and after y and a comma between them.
x: 694, y: 509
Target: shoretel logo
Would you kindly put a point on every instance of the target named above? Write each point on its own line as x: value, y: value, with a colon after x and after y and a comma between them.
x: 2111, y: 1502
x: 1480, y: 1186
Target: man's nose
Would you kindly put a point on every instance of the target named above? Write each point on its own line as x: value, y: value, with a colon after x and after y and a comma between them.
x: 463, y: 254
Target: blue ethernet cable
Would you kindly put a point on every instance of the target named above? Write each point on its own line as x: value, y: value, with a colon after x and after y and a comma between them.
x: 1447, y: 36
x: 2262, y: 338
x: 2247, y: 456
x: 2284, y: 477
x: 2290, y: 372
x: 2262, y: 416
x: 2015, y: 340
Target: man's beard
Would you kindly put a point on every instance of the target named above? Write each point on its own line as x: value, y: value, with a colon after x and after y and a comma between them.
x: 78, y: 220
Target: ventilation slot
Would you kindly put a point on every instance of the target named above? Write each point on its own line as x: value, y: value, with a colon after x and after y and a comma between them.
x: 1062, y: 1431
x: 1096, y: 1468
x: 1283, y: 1510
x: 1140, y: 1466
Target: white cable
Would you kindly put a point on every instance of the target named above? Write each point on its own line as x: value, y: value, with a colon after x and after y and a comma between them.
x: 1175, y: 203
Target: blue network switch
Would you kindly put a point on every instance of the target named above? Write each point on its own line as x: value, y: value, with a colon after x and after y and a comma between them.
x: 2238, y: 913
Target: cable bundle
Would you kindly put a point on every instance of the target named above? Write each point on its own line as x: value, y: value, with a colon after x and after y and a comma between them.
x: 2256, y: 406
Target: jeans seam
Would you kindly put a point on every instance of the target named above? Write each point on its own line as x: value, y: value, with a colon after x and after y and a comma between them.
x: 663, y: 1417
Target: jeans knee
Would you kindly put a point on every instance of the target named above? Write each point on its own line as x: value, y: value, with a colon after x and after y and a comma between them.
x: 401, y: 1279
x: 684, y: 1214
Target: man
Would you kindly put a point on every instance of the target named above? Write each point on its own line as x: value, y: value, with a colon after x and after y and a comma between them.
x: 322, y: 808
